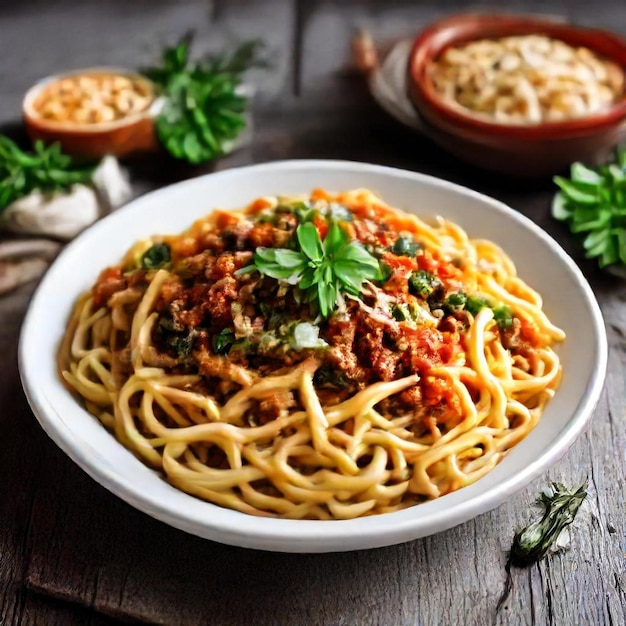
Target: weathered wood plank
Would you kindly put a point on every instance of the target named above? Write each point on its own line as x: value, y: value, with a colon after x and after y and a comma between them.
x: 45, y: 611
x: 64, y: 536
x: 20, y: 450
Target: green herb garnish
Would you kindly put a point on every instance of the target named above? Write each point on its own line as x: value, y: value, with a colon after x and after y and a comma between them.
x: 503, y: 316
x: 423, y: 283
x: 203, y: 110
x: 322, y: 270
x: 46, y: 169
x: 223, y: 341
x: 156, y: 257
x: 327, y: 376
x: 303, y: 210
x: 455, y: 302
x: 400, y: 312
x: 593, y: 203
x: 560, y: 507
x: 183, y: 344
x: 458, y: 301
x: 174, y: 335
x: 405, y: 246
x: 386, y: 272
x: 475, y: 304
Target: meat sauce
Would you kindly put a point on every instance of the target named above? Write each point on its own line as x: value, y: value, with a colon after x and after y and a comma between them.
x: 223, y: 323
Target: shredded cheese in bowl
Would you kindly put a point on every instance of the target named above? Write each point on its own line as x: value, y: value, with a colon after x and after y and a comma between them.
x: 526, y: 79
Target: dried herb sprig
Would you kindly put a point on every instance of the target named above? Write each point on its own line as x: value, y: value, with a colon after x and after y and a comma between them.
x: 533, y: 542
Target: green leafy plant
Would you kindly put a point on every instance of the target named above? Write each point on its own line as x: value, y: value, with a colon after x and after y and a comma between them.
x: 45, y: 169
x: 203, y: 109
x: 322, y: 269
x: 593, y: 203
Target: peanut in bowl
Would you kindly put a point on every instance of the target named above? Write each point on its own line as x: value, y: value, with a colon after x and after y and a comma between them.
x: 93, y: 112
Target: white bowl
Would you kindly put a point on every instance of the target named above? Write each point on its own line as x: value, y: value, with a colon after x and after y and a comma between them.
x: 569, y: 302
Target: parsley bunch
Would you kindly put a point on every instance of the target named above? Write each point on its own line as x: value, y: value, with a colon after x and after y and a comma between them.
x: 593, y: 202
x: 46, y: 169
x: 322, y: 269
x: 203, y: 110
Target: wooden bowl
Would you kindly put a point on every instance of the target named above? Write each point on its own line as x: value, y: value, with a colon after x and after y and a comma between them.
x: 129, y: 134
x: 526, y: 150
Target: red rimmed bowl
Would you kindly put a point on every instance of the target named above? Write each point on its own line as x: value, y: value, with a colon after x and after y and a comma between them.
x: 533, y: 150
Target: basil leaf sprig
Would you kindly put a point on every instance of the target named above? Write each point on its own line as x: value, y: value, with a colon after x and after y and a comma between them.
x: 45, y: 169
x: 593, y: 203
x: 322, y: 269
x: 560, y: 507
x: 203, y: 110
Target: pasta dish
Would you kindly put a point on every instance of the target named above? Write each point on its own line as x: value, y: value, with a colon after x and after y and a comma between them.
x: 316, y: 357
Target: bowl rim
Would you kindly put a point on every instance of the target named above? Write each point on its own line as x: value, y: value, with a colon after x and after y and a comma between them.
x: 34, y: 119
x: 429, y: 103
x: 304, y: 535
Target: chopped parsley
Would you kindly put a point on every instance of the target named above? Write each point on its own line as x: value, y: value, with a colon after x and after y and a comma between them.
x: 423, y: 283
x: 405, y: 246
x: 156, y: 257
x: 455, y: 302
x: 474, y: 304
x: 223, y: 341
x: 183, y: 344
x: 327, y: 376
x: 400, y: 312
x: 503, y: 316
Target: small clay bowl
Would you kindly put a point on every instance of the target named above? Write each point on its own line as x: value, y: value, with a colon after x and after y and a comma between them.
x: 129, y: 134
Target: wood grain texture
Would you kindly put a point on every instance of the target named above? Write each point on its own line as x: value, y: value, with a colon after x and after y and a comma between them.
x: 72, y: 553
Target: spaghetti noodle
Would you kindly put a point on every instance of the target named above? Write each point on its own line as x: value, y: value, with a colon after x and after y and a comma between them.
x: 240, y: 391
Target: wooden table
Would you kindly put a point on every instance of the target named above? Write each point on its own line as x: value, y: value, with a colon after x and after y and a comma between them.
x: 72, y: 553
